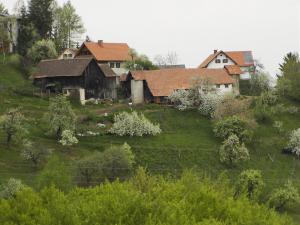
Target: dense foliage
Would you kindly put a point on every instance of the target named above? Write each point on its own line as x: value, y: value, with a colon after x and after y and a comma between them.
x: 133, y: 124
x: 294, y: 143
x: 68, y: 138
x: 44, y: 49
x: 233, y: 126
x: 143, y: 200
x: 114, y: 163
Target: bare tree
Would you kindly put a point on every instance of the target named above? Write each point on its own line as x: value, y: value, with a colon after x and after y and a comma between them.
x: 160, y: 60
x: 172, y: 58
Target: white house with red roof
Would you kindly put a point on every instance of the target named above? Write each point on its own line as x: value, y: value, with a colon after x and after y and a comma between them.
x: 242, y: 59
x: 113, y: 54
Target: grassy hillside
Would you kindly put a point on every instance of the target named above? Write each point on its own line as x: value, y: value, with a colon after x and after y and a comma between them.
x: 187, y: 140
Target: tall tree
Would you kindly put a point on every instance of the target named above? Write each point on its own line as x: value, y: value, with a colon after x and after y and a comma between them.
x: 3, y: 10
x: 19, y: 5
x: 27, y: 32
x: 41, y: 15
x: 67, y: 25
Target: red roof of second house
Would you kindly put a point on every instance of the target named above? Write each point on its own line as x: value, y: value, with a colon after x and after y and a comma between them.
x: 164, y: 82
x: 233, y: 69
x: 240, y: 58
x: 108, y: 51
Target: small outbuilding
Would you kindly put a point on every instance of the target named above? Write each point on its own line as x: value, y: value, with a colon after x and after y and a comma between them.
x: 82, y: 77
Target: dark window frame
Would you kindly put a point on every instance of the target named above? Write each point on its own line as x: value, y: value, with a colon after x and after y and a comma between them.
x: 225, y: 60
x: 218, y: 61
x: 112, y: 65
x: 118, y: 65
x: 218, y: 85
x: 226, y: 85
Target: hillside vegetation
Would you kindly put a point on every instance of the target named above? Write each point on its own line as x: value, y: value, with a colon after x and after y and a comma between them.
x: 187, y: 142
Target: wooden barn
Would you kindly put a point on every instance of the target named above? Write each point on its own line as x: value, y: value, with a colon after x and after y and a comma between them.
x: 82, y: 77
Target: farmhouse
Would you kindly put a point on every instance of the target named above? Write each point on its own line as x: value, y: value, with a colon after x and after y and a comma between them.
x: 113, y: 54
x: 242, y: 59
x: 156, y: 85
x: 68, y: 53
x: 83, y: 78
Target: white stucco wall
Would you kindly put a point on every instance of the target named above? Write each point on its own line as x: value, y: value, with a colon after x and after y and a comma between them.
x: 223, y: 90
x: 137, y: 91
x: 214, y: 65
x: 67, y: 51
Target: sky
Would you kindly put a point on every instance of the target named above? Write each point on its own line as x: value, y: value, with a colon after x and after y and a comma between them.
x: 194, y: 28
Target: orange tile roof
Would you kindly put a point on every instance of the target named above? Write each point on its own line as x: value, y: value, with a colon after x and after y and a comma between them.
x: 164, y: 82
x: 238, y: 57
x: 108, y: 51
x: 233, y: 69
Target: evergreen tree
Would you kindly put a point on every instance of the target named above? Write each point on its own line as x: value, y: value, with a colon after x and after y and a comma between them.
x: 3, y: 10
x: 27, y: 35
x: 41, y: 15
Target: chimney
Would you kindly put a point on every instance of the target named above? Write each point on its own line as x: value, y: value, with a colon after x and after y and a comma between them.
x: 215, y: 51
x: 100, y: 42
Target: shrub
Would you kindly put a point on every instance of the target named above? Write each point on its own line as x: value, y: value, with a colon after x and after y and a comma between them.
x: 284, y: 197
x: 114, y: 163
x: 34, y: 154
x: 250, y: 182
x: 232, y: 152
x: 68, y: 138
x: 44, y: 49
x: 259, y: 83
x: 56, y: 173
x: 209, y: 102
x: 262, y: 114
x: 60, y: 116
x: 233, y: 126
x: 294, y: 143
x: 181, y: 99
x: 12, y: 124
x: 230, y: 106
x: 11, y: 188
x: 133, y: 124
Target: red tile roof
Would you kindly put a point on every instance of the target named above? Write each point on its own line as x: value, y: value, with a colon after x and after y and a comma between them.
x: 241, y: 58
x: 233, y: 69
x: 164, y: 82
x: 107, y: 51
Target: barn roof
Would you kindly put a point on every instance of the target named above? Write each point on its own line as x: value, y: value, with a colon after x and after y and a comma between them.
x: 164, y: 82
x: 67, y: 68
x: 240, y: 58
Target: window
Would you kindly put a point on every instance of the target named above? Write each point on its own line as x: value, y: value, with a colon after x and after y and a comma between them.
x: 118, y: 65
x: 65, y: 56
x: 70, y: 56
x: 225, y: 60
x: 218, y: 86
x: 112, y: 65
x: 218, y: 61
x: 226, y: 86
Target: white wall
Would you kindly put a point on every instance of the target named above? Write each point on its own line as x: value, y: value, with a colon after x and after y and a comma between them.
x: 137, y: 91
x: 67, y: 51
x: 214, y: 65
x: 246, y: 75
x: 223, y: 90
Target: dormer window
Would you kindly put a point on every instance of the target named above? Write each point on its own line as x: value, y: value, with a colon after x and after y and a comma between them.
x: 225, y: 60
x: 112, y: 65
x: 218, y: 61
x: 118, y: 65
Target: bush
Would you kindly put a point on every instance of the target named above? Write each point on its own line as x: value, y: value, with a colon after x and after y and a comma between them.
x: 250, y: 182
x: 11, y: 188
x: 34, y: 154
x: 209, y: 102
x: 55, y: 173
x: 294, y: 143
x: 44, y: 49
x: 230, y: 106
x: 233, y: 126
x: 68, y: 138
x: 181, y: 99
x: 278, y: 125
x: 12, y: 124
x: 133, y: 124
x: 284, y: 197
x: 232, y: 152
x: 114, y: 163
